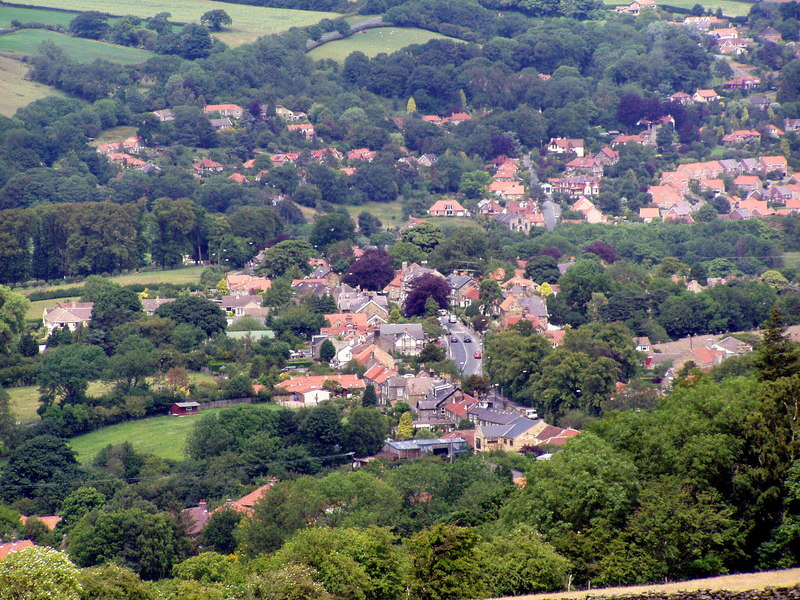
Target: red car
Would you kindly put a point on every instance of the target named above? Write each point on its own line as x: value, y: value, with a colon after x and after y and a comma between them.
x: 478, y: 355
x: 454, y: 339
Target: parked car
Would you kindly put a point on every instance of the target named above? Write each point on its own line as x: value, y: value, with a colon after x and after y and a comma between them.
x: 467, y: 339
x: 454, y: 339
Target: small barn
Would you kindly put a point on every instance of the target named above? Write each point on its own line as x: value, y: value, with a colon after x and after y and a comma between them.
x: 181, y: 409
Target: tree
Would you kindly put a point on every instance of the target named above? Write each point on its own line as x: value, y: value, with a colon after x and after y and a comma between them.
x: 13, y: 307
x: 542, y: 269
x: 607, y: 252
x: 215, y: 19
x: 327, y: 351
x: 368, y: 224
x: 489, y: 292
x: 405, y: 428
x: 27, y: 346
x: 218, y: 534
x: 206, y: 567
x: 332, y: 228
x: 426, y: 236
x: 444, y: 564
x: 195, y: 42
x: 777, y: 356
x: 424, y: 287
x: 113, y: 306
x: 112, y: 582
x: 78, y: 504
x: 411, y: 106
x: 284, y: 255
x: 38, y: 573
x: 65, y: 372
x: 372, y: 271
x: 369, y: 399
x: 150, y: 544
x: 321, y: 429
x: 195, y: 310
x: 90, y: 24
x: 789, y: 82
x: 365, y: 432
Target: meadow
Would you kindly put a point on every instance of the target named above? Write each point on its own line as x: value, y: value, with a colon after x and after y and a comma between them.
x: 34, y: 15
x: 163, y: 436
x: 374, y: 41
x: 389, y: 213
x: 249, y: 22
x: 27, y: 41
x: 791, y: 260
x: 730, y: 8
x: 25, y: 399
x: 15, y: 90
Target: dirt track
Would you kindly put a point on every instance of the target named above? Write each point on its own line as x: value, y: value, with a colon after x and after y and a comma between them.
x: 741, y: 582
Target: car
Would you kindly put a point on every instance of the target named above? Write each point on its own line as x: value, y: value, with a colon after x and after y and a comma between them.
x: 467, y: 340
x: 454, y: 339
x: 478, y: 355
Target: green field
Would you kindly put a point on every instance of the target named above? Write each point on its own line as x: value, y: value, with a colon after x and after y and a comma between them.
x: 115, y: 134
x: 374, y: 41
x: 36, y: 309
x: 791, y: 260
x: 34, y: 15
x: 27, y: 41
x: 163, y: 436
x: 249, y: 22
x: 181, y: 276
x: 25, y: 400
x: 389, y: 213
x: 730, y: 8
x: 15, y: 90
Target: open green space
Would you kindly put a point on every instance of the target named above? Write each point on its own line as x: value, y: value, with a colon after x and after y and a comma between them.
x: 25, y: 400
x: 27, y: 41
x: 389, y: 213
x: 163, y: 436
x: 730, y: 8
x: 36, y: 309
x: 444, y: 222
x: 15, y: 90
x: 791, y: 260
x: 356, y: 19
x: 115, y: 134
x: 374, y: 41
x: 249, y: 22
x: 34, y: 15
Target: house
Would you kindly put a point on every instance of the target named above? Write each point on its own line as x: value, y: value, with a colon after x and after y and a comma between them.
x: 731, y: 346
x: 164, y: 115
x: 771, y: 34
x: 247, y: 285
x: 524, y: 308
x: 401, y: 339
x: 741, y: 136
x: 724, y: 33
x: 566, y: 146
x: 226, y: 110
x: 748, y: 183
x: 196, y: 518
x: 456, y: 118
x: 703, y: 23
x: 150, y: 305
x: 407, y: 388
x: 643, y: 344
x: 67, y: 315
x: 705, y: 96
x: 792, y: 125
x: 742, y: 83
x: 681, y: 98
x: 586, y: 164
x: 375, y: 307
x: 507, y: 190
x: 427, y: 160
x: 432, y: 406
x: 447, y: 208
x: 312, y: 389
x: 648, y: 215
x: 207, y: 167
x: 762, y: 102
x: 182, y: 409
x: 220, y: 124
x: 576, y: 186
x: 362, y: 154
x: 589, y: 211
x: 636, y: 7
x: 236, y: 305
x: 520, y: 434
x: 773, y: 164
x: 246, y: 503
x: 459, y: 286
x: 623, y: 139
x: 288, y: 115
x: 734, y: 47
x: 774, y: 131
x: 607, y: 157
x: 307, y: 129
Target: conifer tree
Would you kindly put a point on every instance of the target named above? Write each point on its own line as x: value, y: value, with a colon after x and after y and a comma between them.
x: 370, y: 398
x: 777, y: 356
x: 405, y: 429
x: 411, y: 107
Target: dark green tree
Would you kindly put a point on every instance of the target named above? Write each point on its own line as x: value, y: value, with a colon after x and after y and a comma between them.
x: 195, y: 310
x: 215, y: 19
x: 90, y: 24
x: 65, y: 372
x: 365, y: 432
x: 777, y: 356
x: 444, y: 564
x: 327, y: 351
x: 369, y: 399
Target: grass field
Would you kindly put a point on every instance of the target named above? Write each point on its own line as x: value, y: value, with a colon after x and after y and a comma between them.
x: 34, y: 15
x: 249, y: 22
x: 390, y: 213
x: 182, y: 276
x: 27, y: 41
x: 25, y: 400
x: 15, y: 90
x: 163, y: 436
x: 36, y: 309
x: 791, y: 259
x: 730, y: 8
x: 374, y: 41
x: 115, y: 134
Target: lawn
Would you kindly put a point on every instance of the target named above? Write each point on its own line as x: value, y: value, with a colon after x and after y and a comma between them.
x: 389, y: 213
x: 27, y: 41
x: 181, y: 276
x: 163, y: 436
x: 730, y: 8
x: 115, y: 134
x: 249, y: 22
x: 791, y: 260
x: 36, y: 309
x: 15, y: 90
x: 34, y: 15
x: 374, y: 41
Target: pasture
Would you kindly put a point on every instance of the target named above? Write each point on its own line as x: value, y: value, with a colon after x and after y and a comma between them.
x: 730, y: 8
x: 791, y: 260
x: 27, y: 41
x: 374, y: 41
x: 15, y: 90
x: 389, y: 213
x: 249, y: 22
x: 34, y: 15
x: 25, y: 399
x: 36, y: 309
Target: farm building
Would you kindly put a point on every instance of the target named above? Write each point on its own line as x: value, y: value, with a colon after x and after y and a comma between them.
x: 181, y: 409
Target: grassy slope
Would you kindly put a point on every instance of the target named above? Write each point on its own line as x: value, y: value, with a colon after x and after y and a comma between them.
x: 374, y: 41
x: 163, y: 436
x: 791, y: 259
x: 36, y: 309
x: 249, y: 22
x: 390, y: 213
x: 34, y: 15
x: 15, y: 91
x: 25, y: 400
x: 27, y: 41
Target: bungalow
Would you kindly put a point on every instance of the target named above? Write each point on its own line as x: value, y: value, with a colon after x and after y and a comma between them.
x: 566, y: 146
x: 164, y: 115
x: 447, y: 208
x: 220, y: 124
x: 281, y: 159
x: 741, y: 136
x: 725, y: 33
x: 239, y: 178
x: 636, y: 7
x: 735, y: 47
x: 67, y: 315
x: 456, y: 118
x: 362, y: 154
x: 150, y: 305
x: 307, y: 129
x: 246, y: 503
x: 520, y: 434
x: 288, y: 115
x: 681, y: 98
x: 408, y: 449
x: 742, y: 83
x: 648, y: 215
x: 623, y: 139
x: 236, y: 305
x: 704, y: 96
x: 242, y: 284
x: 312, y: 389
x: 207, y: 167
x: 507, y: 190
x: 226, y: 110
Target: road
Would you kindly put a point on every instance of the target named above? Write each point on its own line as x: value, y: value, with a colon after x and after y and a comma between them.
x: 463, y: 353
x: 550, y: 210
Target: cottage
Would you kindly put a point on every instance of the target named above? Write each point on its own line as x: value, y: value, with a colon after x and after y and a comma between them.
x: 705, y: 96
x: 182, y: 409
x: 637, y: 6
x: 401, y: 339
x: 226, y: 110
x: 67, y: 315
x: 207, y: 167
x: 566, y: 146
x: 447, y: 208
